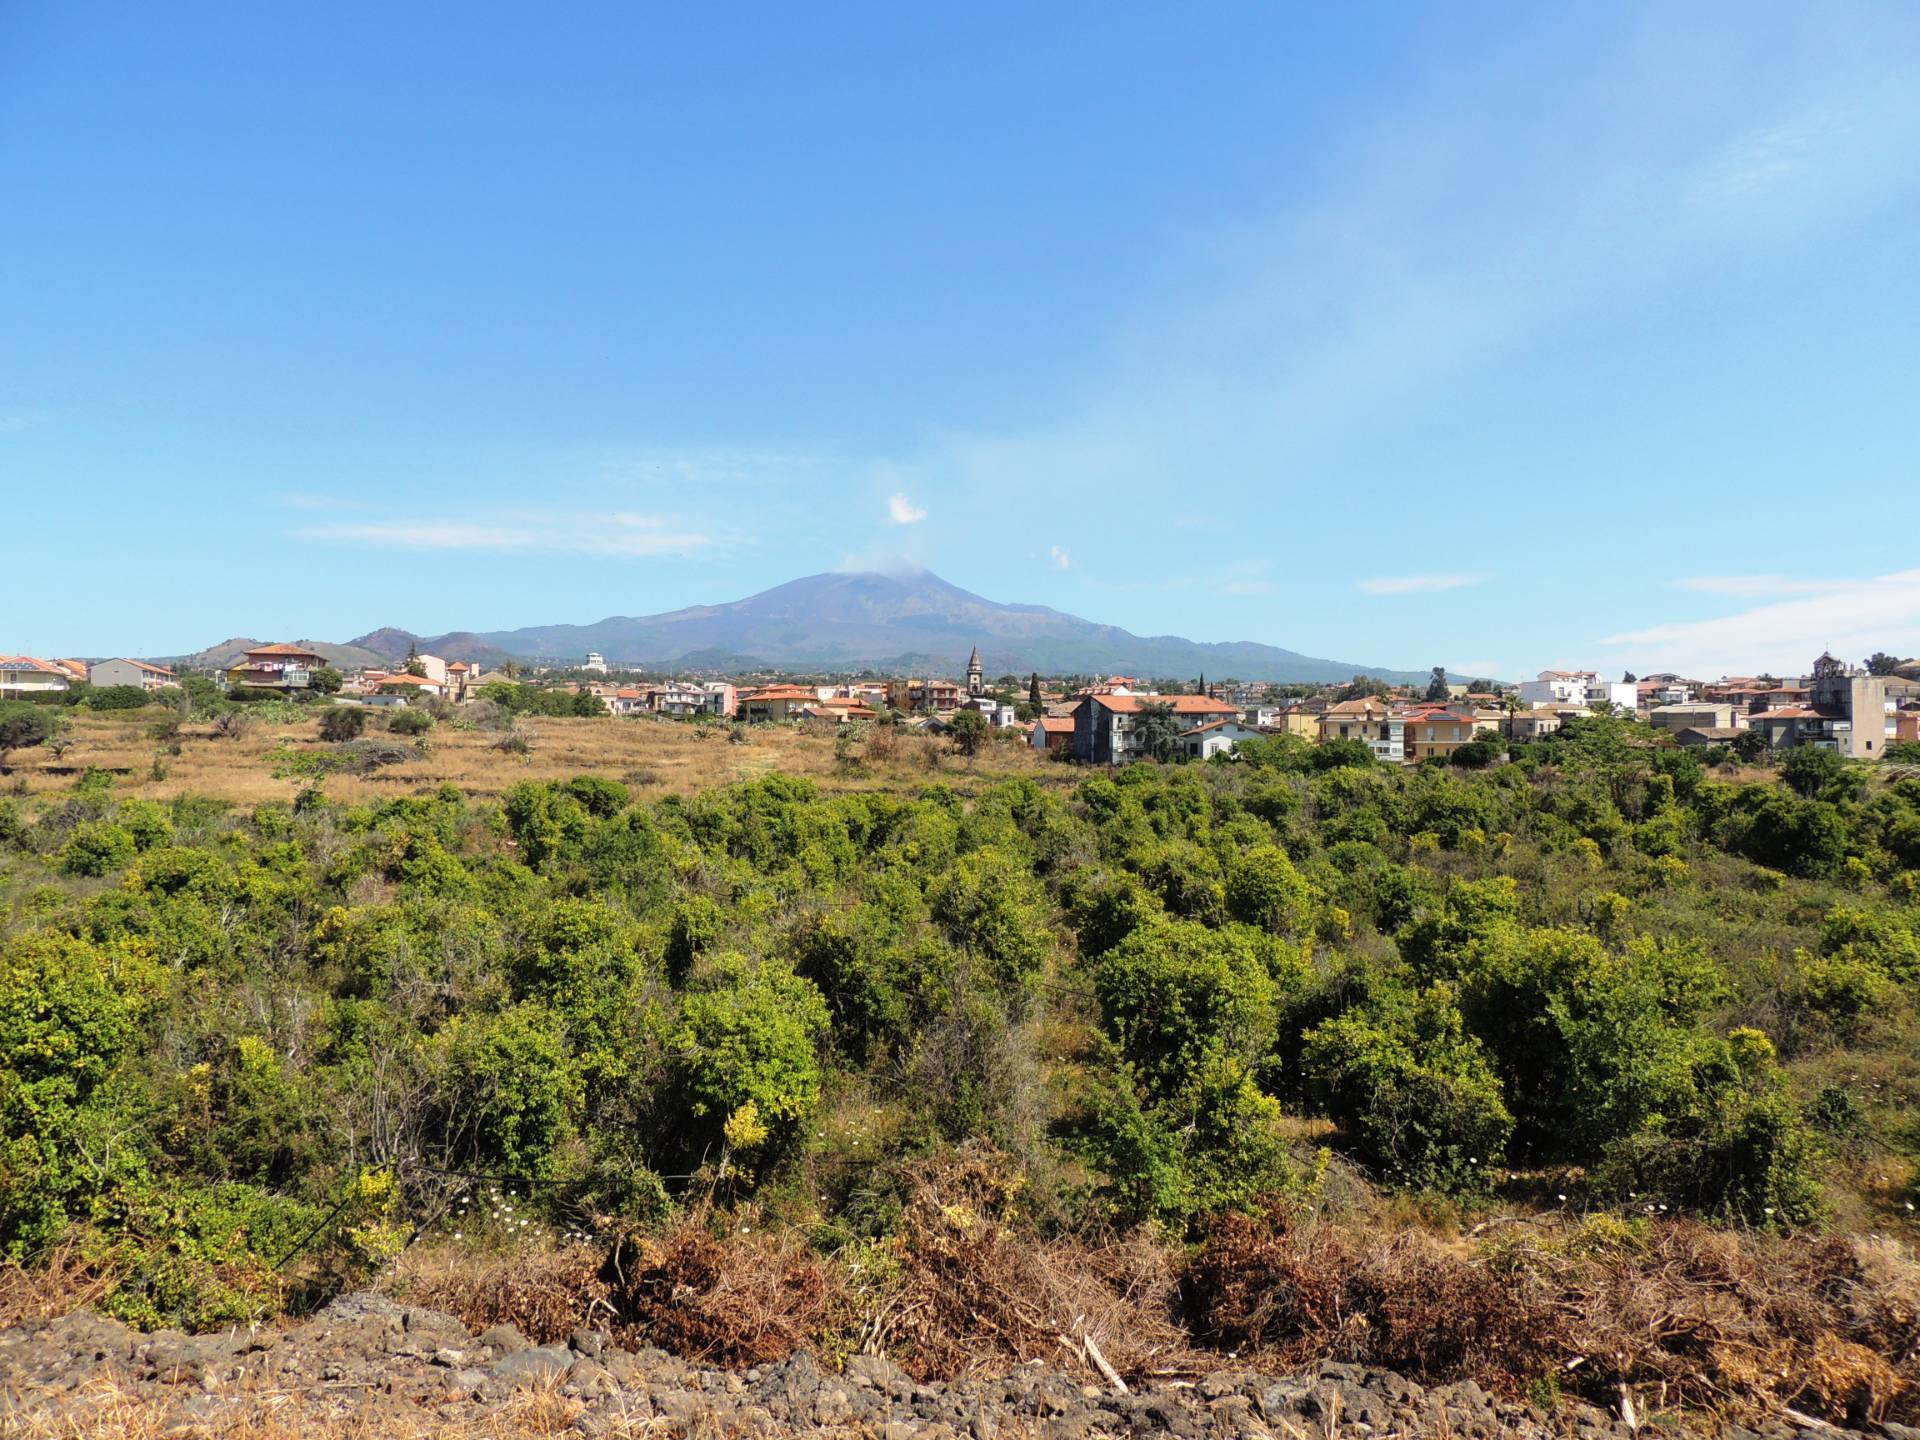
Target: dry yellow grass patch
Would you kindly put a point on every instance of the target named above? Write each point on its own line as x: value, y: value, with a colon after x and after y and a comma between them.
x: 655, y: 757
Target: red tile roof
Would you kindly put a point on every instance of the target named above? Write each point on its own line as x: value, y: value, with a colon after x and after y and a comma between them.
x: 1181, y: 704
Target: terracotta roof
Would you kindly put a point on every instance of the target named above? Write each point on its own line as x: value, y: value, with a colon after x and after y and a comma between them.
x: 1430, y: 715
x: 1181, y: 704
x: 1055, y: 724
x: 1366, y: 705
x: 408, y: 680
x: 281, y: 650
x: 29, y: 662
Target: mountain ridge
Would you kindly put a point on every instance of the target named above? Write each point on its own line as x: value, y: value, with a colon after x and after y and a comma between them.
x: 863, y: 619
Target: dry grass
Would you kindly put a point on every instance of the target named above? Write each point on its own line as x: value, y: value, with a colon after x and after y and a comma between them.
x: 105, y: 1410
x: 547, y: 1294
x: 57, y: 1286
x: 1700, y: 1318
x: 661, y: 757
x: 977, y: 1292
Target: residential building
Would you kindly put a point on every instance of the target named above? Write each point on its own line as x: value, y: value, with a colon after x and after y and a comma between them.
x: 1434, y: 733
x: 1691, y: 715
x: 1657, y: 690
x: 28, y: 675
x: 1524, y: 725
x: 132, y: 672
x: 777, y: 702
x: 924, y: 697
x: 1301, y: 718
x: 404, y: 684
x: 1053, y: 734
x: 1107, y: 731
x: 595, y: 662
x: 1701, y: 737
x: 1579, y: 687
x: 276, y: 667
x: 433, y: 667
x: 1370, y: 720
x: 1846, y: 711
x: 627, y: 701
x: 1216, y: 737
x: 719, y: 698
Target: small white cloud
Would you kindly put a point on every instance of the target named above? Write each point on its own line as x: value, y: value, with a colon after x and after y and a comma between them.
x: 1061, y: 560
x: 617, y: 533
x: 902, y: 511
x: 1417, y: 584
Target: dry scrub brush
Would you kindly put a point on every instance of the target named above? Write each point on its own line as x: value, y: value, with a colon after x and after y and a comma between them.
x: 976, y: 1291
x: 1687, y: 1315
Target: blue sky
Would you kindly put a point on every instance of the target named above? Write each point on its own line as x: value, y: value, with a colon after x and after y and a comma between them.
x: 1406, y: 335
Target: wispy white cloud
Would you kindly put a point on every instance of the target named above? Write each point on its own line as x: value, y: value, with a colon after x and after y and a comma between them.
x: 1758, y: 587
x: 1773, y: 156
x: 902, y: 511
x: 620, y: 534
x: 1418, y: 584
x: 1852, y: 618
x: 1059, y: 558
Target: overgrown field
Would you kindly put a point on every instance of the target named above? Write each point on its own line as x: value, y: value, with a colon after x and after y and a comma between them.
x: 1593, y: 1068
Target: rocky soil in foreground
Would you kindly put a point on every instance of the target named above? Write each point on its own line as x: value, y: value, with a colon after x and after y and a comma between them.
x: 367, y: 1365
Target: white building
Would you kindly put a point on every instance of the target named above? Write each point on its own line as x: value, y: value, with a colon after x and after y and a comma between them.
x: 137, y: 673
x: 1579, y: 687
x: 25, y: 675
x: 596, y: 662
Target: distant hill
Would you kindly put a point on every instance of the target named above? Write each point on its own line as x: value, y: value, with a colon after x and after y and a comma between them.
x: 862, y: 621
x: 393, y: 644
x: 228, y: 653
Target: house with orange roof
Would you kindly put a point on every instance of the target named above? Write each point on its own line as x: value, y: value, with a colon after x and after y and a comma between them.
x: 1052, y: 734
x: 777, y: 702
x: 30, y: 675
x: 1107, y: 729
x: 1433, y: 732
x: 276, y: 667
x: 1369, y: 720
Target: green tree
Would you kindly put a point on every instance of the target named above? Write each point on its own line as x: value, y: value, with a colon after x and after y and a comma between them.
x: 343, y: 722
x: 1158, y: 725
x: 325, y: 681
x: 21, y: 728
x: 968, y: 730
x: 1881, y: 663
x: 1809, y: 769
x: 1437, y: 685
x: 748, y: 1036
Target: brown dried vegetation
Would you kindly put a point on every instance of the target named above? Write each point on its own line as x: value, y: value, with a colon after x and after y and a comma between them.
x: 1701, y: 1318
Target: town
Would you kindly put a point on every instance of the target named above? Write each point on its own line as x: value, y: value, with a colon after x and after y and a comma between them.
x: 1860, y: 712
